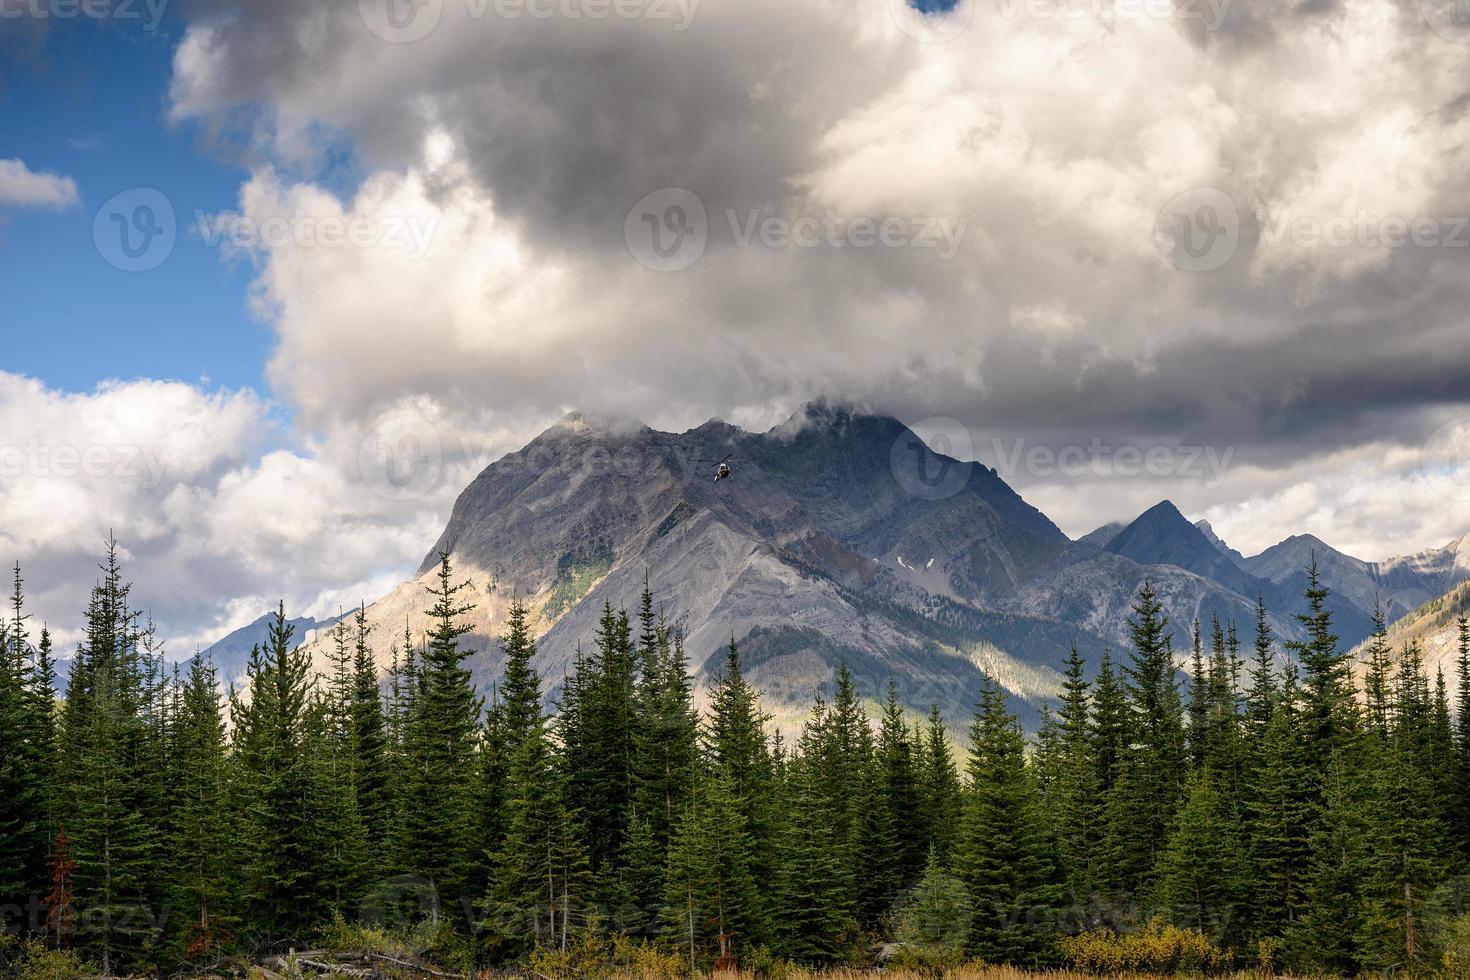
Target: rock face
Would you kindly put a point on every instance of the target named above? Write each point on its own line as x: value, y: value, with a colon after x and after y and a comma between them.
x: 840, y: 537
x: 1435, y: 627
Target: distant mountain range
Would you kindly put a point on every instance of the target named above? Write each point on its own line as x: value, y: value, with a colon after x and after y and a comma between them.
x: 231, y: 653
x: 842, y: 537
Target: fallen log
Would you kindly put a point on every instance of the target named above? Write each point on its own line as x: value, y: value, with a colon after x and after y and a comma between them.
x: 416, y: 966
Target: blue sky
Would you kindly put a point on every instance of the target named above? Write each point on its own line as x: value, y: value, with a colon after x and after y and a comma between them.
x: 93, y: 107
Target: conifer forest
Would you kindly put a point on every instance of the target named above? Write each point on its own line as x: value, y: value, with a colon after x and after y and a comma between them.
x: 1245, y: 805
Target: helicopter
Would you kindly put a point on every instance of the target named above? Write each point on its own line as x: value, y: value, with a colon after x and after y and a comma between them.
x: 722, y: 466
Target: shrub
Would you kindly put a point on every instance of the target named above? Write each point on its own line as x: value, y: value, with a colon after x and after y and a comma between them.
x: 40, y: 963
x: 598, y: 957
x: 1157, y: 948
x: 1457, y: 947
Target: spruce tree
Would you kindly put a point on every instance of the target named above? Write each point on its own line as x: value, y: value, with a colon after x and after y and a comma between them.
x: 541, y: 892
x: 714, y: 906
x: 1074, y: 804
x: 1003, y: 858
x: 740, y: 760
x: 1202, y: 880
x: 371, y: 776
x: 201, y: 839
x: 441, y: 739
x: 940, y: 789
x: 1279, y: 805
x: 283, y: 894
x: 900, y: 796
x: 1462, y: 740
x: 105, y: 765
x: 1149, y: 783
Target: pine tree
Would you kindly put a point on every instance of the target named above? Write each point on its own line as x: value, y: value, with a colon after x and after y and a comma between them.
x: 814, y: 912
x: 1280, y: 812
x: 25, y: 733
x: 935, y: 923
x: 1377, y: 682
x: 1199, y: 697
x: 440, y: 744
x: 1327, y: 935
x: 601, y: 743
x: 1073, y: 802
x: 1401, y: 854
x: 1111, y: 724
x: 1329, y: 717
x: 940, y: 789
x: 1260, y: 699
x: 740, y: 761
x: 714, y: 905
x: 282, y: 891
x: 1462, y: 739
x: 1201, y: 883
x: 900, y: 796
x: 1002, y: 858
x: 1149, y: 783
x: 371, y: 777
x: 202, y: 836
x: 541, y: 890
x: 106, y: 750
x: 668, y: 736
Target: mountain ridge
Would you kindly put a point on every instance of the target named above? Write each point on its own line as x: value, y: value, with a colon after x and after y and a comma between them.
x: 840, y: 536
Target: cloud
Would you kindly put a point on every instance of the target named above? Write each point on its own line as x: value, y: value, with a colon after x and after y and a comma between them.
x: 217, y: 512
x: 476, y: 270
x: 22, y: 187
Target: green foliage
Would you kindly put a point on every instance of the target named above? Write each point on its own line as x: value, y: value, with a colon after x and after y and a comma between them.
x: 1289, y: 824
x: 933, y: 924
x: 1003, y: 856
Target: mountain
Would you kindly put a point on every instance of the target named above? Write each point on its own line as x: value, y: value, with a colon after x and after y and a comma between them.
x: 1208, y: 531
x: 840, y: 537
x: 231, y: 653
x: 1101, y: 537
x: 1434, y: 626
x: 1163, y: 536
x: 1400, y: 585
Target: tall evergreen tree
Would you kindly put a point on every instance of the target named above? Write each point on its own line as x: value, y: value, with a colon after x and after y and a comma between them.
x: 1202, y: 881
x: 713, y: 902
x: 940, y: 789
x: 440, y: 744
x: 1003, y: 858
x: 371, y: 775
x: 282, y: 889
x: 1074, y: 802
x: 201, y: 839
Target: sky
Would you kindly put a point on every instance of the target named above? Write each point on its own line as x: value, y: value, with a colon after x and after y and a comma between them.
x: 278, y: 278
